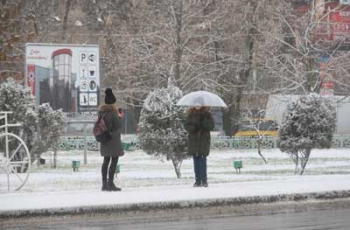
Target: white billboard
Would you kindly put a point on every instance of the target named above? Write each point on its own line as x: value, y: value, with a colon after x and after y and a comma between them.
x: 345, y: 2
x: 66, y: 76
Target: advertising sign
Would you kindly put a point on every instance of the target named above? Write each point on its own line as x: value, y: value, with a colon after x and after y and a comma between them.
x: 340, y: 21
x: 327, y: 74
x: 345, y: 2
x: 66, y: 76
x: 331, y: 20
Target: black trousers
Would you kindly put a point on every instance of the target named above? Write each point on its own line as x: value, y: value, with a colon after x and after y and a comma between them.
x: 111, y: 164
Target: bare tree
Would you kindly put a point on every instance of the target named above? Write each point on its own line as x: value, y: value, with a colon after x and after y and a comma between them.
x: 309, y: 60
x: 240, y: 40
x: 237, y: 49
x: 255, y: 123
x: 159, y: 39
x: 15, y: 30
x: 284, y: 49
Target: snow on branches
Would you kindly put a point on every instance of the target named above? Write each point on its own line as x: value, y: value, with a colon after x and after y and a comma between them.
x: 161, y: 129
x: 40, y: 129
x: 308, y: 123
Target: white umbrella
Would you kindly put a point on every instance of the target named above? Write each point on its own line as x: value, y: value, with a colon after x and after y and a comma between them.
x: 201, y: 98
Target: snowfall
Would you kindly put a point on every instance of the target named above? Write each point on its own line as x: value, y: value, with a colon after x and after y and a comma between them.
x: 147, y: 179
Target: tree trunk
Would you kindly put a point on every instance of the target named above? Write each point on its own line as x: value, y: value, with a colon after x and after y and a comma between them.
x: 296, y: 161
x: 177, y: 166
x: 236, y: 111
x: 178, y: 45
x: 227, y: 124
x: 243, y: 79
x: 65, y: 19
x: 55, y: 157
x: 304, y: 160
x: 259, y: 150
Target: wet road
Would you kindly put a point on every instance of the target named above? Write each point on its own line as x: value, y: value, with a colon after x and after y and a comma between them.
x: 312, y: 219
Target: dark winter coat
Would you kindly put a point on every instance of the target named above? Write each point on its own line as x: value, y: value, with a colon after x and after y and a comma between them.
x: 199, y: 124
x: 113, y: 148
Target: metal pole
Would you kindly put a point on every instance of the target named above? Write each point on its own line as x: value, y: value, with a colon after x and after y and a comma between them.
x: 39, y: 138
x: 85, y: 145
x: 7, y: 154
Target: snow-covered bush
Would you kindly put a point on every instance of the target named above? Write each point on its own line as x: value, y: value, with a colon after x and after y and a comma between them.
x: 161, y: 129
x: 308, y: 123
x: 51, y: 123
x: 18, y: 99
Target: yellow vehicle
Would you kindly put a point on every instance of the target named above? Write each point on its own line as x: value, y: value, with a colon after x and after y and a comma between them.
x: 250, y: 128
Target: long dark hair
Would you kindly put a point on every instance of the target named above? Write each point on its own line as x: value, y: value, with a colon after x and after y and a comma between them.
x: 192, y: 110
x: 202, y: 109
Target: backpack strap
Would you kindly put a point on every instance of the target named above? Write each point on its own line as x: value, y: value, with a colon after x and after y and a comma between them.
x: 102, y: 117
x: 104, y: 114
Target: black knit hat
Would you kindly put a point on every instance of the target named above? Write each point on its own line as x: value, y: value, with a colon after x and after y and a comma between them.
x: 110, y: 98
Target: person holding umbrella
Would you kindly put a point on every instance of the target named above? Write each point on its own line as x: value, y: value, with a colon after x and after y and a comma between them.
x: 199, y: 123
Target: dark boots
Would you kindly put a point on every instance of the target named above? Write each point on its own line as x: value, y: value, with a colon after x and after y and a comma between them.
x: 197, y: 183
x: 111, y: 186
x: 201, y: 183
x: 204, y: 183
x: 104, y: 185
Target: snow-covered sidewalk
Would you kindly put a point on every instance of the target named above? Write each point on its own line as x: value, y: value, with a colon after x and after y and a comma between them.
x: 148, y: 195
x: 148, y: 182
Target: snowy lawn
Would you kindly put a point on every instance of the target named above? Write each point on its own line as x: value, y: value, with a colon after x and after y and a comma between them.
x: 141, y: 170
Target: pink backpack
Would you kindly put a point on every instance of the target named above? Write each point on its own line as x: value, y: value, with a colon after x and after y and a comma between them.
x: 101, y: 133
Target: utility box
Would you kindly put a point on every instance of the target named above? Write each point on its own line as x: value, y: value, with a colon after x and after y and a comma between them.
x: 238, y: 165
x: 75, y: 165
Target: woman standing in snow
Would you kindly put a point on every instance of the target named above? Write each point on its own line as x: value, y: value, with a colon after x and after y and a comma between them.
x: 111, y: 150
x: 199, y: 123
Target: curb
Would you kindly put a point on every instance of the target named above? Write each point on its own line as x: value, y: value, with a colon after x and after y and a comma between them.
x: 179, y: 205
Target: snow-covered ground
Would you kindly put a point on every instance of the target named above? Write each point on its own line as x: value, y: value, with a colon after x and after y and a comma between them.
x: 141, y: 170
x: 145, y: 178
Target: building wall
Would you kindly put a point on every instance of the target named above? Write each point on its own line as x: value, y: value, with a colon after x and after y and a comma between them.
x: 277, y: 105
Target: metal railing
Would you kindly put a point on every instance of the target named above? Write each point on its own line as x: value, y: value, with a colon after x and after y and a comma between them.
x: 220, y: 143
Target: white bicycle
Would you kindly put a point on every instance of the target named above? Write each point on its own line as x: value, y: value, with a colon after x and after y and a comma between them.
x: 14, y: 157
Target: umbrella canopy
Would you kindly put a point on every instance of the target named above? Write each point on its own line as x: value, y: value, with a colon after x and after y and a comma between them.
x: 201, y: 98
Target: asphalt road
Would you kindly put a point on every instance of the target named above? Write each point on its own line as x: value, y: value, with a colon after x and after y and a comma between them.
x: 296, y: 218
